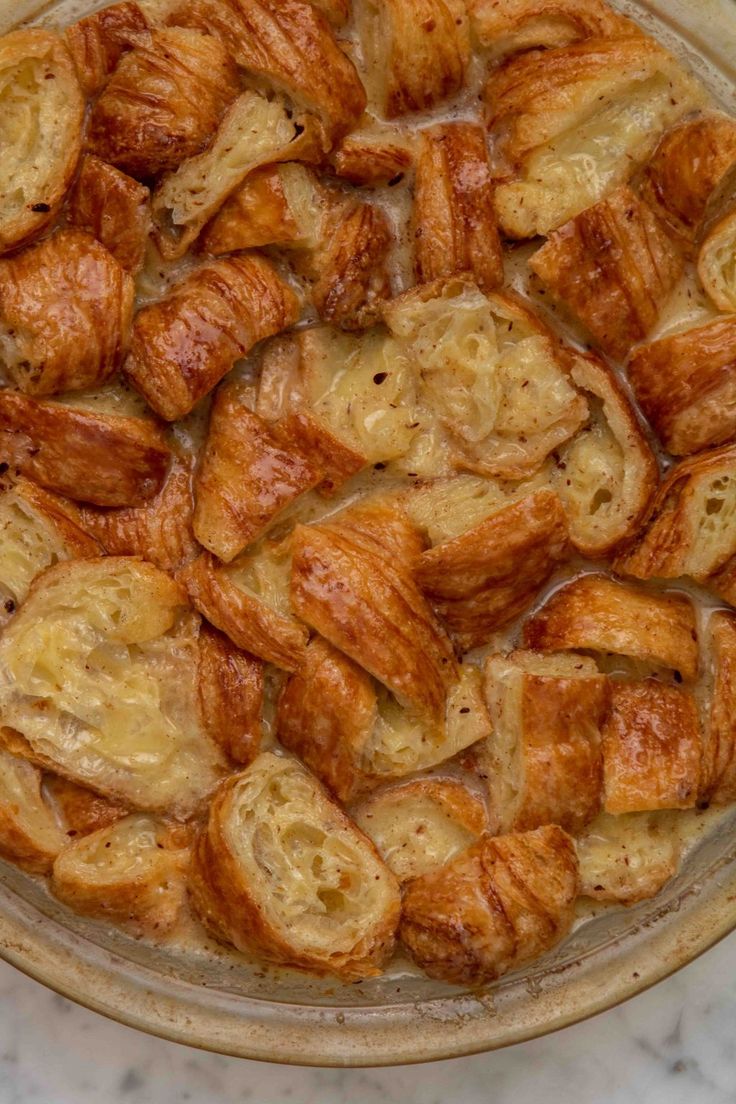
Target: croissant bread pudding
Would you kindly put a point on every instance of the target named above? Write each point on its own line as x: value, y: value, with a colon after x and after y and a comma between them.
x: 367, y: 474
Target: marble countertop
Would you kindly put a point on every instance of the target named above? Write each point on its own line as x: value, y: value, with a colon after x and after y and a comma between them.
x: 674, y: 1044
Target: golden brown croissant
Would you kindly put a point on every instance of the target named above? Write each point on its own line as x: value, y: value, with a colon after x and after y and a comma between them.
x: 500, y: 903
x: 81, y: 811
x: 504, y: 27
x: 652, y: 747
x: 113, y: 703
x: 685, y: 170
x: 415, y: 52
x: 280, y: 869
x: 454, y: 224
x: 351, y: 267
x: 422, y: 824
x: 132, y: 873
x: 716, y: 267
x: 373, y: 155
x: 98, y: 41
x: 104, y: 459
x: 571, y: 124
x: 230, y: 695
x: 30, y: 835
x: 629, y: 857
x: 613, y: 266
x: 718, y: 775
x: 606, y: 475
x: 114, y: 208
x: 65, y: 312
x: 245, y: 478
x: 183, y: 345
x: 300, y: 431
x: 686, y: 386
x: 595, y: 613
x: 543, y: 760
x: 163, y: 102
x: 484, y: 578
x: 43, y: 114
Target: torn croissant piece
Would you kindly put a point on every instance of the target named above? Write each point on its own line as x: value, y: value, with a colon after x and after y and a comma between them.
x: 421, y: 825
x: 80, y: 810
x: 184, y: 344
x: 99, y: 678
x: 447, y: 507
x: 30, y: 834
x: 690, y: 528
x: 484, y: 578
x: 245, y: 477
x: 718, y: 780
x: 415, y: 52
x: 454, y: 223
x: 43, y: 115
x: 353, y: 584
x: 373, y: 156
x: 572, y: 124
x: 163, y: 102
x: 627, y: 858
x: 98, y: 42
x: 496, y: 905
x: 491, y: 372
x: 65, y: 312
x: 301, y: 431
x: 114, y: 208
x: 103, y: 459
x: 686, y: 386
x: 129, y: 874
x: 543, y: 760
x: 717, y: 262
x: 230, y: 695
x: 37, y: 529
x: 505, y: 27
x: 275, y: 205
x: 598, y: 614
x: 280, y: 869
x: 687, y: 166
x: 613, y: 266
x: 249, y: 601
x: 160, y: 530
x: 254, y: 131
x: 351, y: 267
x: 606, y: 475
x: 652, y: 748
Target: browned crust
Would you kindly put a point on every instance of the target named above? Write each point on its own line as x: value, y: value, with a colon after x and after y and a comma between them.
x: 82, y: 811
x: 230, y: 695
x: 114, y: 208
x: 353, y: 278
x: 718, y: 776
x: 256, y: 214
x: 98, y: 41
x: 368, y: 161
x: 505, y: 27
x: 299, y: 431
x: 64, y: 516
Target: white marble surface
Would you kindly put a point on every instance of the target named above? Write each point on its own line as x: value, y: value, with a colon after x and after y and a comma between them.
x: 674, y: 1044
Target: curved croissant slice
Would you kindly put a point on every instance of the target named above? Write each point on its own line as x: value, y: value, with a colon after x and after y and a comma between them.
x: 65, y: 311
x: 627, y: 858
x: 690, y: 529
x: 573, y: 123
x: 717, y: 262
x: 685, y: 170
x: 415, y: 52
x: 184, y: 344
x: 254, y: 131
x: 420, y: 825
x: 508, y: 27
x: 491, y: 372
x: 595, y: 613
x: 500, y: 903
x: 652, y: 748
x: 687, y: 387
x: 300, y: 431
x: 163, y: 102
x: 613, y: 266
x: 42, y: 118
x: 82, y: 811
x: 30, y: 835
x: 358, y: 593
x: 453, y: 219
x: 543, y: 759
x: 447, y: 507
x: 37, y: 529
x: 351, y: 267
x: 114, y: 208
x: 130, y: 873
x: 484, y: 578
x: 98, y: 41
x: 248, y: 601
x: 99, y: 682
x: 245, y: 478
x: 606, y: 475
x: 230, y: 695
x: 718, y: 780
x: 104, y: 459
x: 373, y: 155
x: 280, y: 869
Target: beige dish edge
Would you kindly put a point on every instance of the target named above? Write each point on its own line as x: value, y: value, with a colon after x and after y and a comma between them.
x: 606, y: 961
